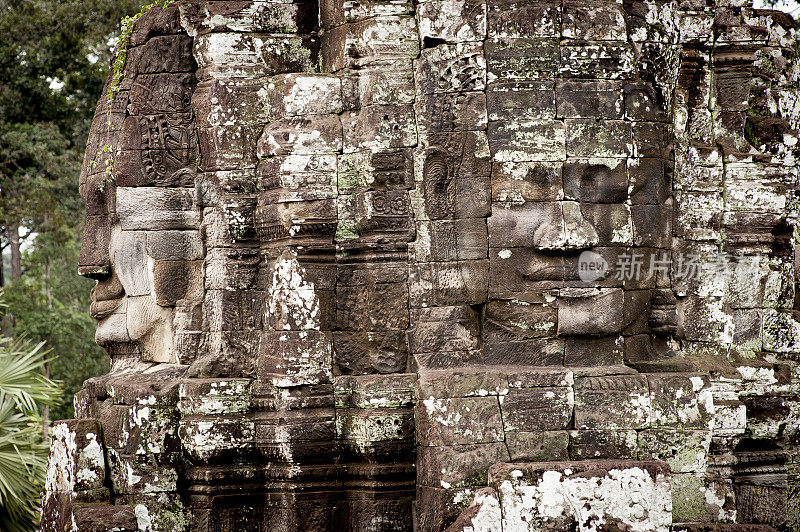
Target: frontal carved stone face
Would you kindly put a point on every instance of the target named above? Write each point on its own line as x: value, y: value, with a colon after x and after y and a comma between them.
x: 568, y: 214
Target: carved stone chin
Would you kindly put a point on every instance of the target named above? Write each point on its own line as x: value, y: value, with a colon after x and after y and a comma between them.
x: 441, y: 266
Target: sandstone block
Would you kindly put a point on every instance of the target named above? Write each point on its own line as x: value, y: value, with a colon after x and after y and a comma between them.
x: 458, y: 465
x: 514, y: 183
x: 155, y: 208
x: 301, y: 136
x: 478, y: 382
x: 174, y: 245
x: 686, y: 451
x: 362, y: 43
x: 609, y: 60
x: 383, y: 82
x: 602, y: 444
x: 77, y: 458
x: 369, y: 391
x: 537, y: 446
x: 167, y: 53
x: 374, y: 169
x: 470, y: 420
x: 434, y: 330
x: 589, y: 99
x: 131, y: 263
x: 526, y: 352
x: 452, y: 22
x: 527, y: 19
x: 507, y: 100
x: 379, y: 127
x: 535, y: 409
x: 590, y: 311
x: 177, y: 279
x: 447, y: 284
x: 238, y: 55
x: 304, y: 94
x: 595, y: 21
x: 242, y: 17
x: 365, y: 352
x: 533, y: 140
x: 680, y: 401
x: 451, y: 68
x: 455, y: 111
x: 609, y: 138
x: 612, y: 402
x: 294, y: 358
x: 161, y: 93
x: 522, y: 59
x: 444, y: 240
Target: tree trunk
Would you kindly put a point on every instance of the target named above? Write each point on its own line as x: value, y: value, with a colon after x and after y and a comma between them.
x: 49, y: 295
x: 12, y: 233
x: 46, y: 409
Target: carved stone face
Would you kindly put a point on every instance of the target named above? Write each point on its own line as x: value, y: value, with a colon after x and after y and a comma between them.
x: 569, y: 174
x: 142, y: 243
x: 581, y: 220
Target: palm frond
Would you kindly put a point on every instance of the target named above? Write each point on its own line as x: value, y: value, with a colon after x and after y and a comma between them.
x: 23, y: 453
x: 23, y: 457
x: 21, y: 376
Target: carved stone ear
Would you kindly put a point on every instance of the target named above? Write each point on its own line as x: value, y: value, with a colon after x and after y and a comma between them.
x: 439, y: 186
x: 663, y: 319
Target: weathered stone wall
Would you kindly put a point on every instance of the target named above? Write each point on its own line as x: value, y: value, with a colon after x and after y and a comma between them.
x: 444, y: 265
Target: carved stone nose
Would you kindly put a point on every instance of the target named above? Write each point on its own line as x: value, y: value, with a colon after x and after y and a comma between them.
x: 94, y: 261
x: 579, y: 233
x: 573, y: 231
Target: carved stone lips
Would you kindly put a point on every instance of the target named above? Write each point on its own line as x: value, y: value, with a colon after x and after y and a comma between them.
x: 107, y: 296
x: 102, y: 309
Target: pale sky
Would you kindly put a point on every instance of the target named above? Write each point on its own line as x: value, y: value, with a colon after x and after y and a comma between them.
x: 790, y: 6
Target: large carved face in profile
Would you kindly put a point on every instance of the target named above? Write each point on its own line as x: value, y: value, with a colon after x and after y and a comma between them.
x: 142, y: 243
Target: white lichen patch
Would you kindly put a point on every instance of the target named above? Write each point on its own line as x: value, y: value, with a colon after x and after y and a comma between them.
x: 630, y: 498
x: 488, y: 517
x: 143, y: 520
x: 763, y: 376
x: 292, y: 300
x: 61, y: 465
x: 90, y: 464
x: 440, y: 413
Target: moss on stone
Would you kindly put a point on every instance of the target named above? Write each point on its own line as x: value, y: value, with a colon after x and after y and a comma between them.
x: 121, y: 52
x: 346, y: 230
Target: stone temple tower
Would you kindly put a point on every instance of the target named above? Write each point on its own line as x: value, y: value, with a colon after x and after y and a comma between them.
x: 441, y: 265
